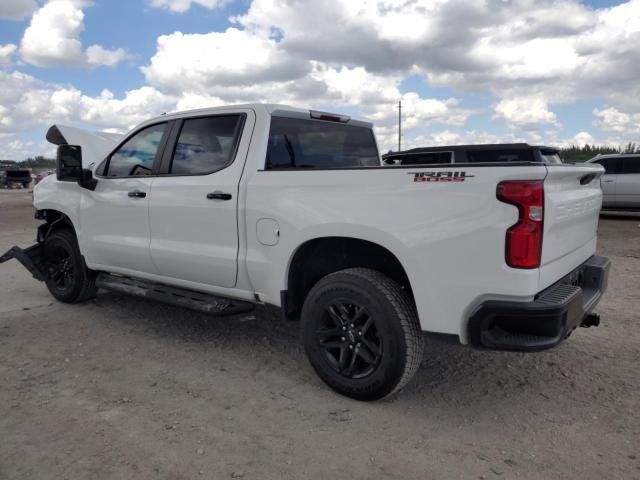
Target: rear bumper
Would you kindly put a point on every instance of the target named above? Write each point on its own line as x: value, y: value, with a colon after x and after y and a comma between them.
x: 547, y: 320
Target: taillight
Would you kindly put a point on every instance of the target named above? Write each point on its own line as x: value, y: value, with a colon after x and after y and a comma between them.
x: 524, y: 239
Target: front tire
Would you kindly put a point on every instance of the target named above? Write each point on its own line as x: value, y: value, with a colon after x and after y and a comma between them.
x: 67, y: 277
x: 361, y: 333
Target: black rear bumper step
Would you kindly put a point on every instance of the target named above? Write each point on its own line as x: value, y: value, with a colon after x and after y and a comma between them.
x: 547, y: 320
x: 31, y: 258
x: 202, y: 302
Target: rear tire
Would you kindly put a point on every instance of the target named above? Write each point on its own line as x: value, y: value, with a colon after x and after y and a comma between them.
x: 361, y: 333
x: 67, y: 277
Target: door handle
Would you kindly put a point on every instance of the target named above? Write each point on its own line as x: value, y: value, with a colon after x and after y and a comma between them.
x: 218, y: 196
x: 607, y: 181
x: 137, y: 194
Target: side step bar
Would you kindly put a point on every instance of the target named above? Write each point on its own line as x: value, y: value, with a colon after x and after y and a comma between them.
x: 202, y: 302
x: 31, y: 258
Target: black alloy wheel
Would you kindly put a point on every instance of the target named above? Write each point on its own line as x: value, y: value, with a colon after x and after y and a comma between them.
x: 67, y: 277
x: 361, y: 333
x: 349, y: 337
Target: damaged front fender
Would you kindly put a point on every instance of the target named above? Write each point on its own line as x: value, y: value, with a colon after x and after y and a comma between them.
x: 31, y: 258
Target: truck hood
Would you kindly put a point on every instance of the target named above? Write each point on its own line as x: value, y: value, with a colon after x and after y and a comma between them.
x: 95, y: 145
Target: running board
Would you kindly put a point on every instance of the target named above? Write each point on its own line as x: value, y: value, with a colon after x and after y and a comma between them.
x: 179, y: 297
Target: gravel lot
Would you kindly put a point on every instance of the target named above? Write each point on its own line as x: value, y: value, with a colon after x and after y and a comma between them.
x: 120, y: 388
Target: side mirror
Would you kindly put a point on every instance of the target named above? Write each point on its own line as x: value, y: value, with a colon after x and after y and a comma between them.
x: 69, y: 163
x: 70, y: 169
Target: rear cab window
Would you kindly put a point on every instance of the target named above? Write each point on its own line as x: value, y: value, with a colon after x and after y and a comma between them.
x: 309, y: 143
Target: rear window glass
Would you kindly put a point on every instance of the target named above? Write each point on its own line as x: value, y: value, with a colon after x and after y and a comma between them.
x: 300, y: 143
x: 494, y: 156
x: 430, y: 158
x: 630, y: 165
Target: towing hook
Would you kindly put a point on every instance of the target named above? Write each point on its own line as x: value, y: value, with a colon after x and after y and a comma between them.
x: 591, y: 320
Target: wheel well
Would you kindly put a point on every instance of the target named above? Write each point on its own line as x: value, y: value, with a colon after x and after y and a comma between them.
x: 319, y: 257
x: 54, y: 220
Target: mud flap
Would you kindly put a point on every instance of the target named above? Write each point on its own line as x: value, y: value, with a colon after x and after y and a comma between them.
x: 31, y: 258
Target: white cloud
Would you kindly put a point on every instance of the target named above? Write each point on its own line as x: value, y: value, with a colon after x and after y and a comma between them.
x: 52, y: 38
x: 27, y: 103
x: 562, y: 49
x: 613, y: 120
x: 6, y: 53
x: 20, y: 150
x: 181, y: 6
x: 580, y: 139
x: 192, y: 101
x: 206, y: 61
x: 97, y: 55
x: 525, y: 112
x: 17, y: 9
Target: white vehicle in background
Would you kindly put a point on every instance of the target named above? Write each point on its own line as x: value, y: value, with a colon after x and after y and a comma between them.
x: 222, y: 208
x: 621, y: 181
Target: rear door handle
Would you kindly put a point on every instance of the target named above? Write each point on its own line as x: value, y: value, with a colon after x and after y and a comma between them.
x: 137, y: 194
x: 219, y: 196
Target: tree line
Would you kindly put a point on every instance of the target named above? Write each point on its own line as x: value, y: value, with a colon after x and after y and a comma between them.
x: 575, y: 153
x: 38, y: 162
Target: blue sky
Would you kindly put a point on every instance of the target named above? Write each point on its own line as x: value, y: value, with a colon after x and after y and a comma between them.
x: 556, y: 72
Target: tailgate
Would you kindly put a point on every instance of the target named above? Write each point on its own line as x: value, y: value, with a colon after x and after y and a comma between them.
x: 572, y: 206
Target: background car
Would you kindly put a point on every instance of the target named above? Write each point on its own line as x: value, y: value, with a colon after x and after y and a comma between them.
x: 42, y: 175
x: 621, y: 181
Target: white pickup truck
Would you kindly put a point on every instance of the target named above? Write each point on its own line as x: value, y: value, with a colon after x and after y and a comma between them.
x: 220, y: 209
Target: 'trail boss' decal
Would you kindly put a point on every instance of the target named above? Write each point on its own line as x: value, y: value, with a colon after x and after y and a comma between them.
x: 457, y: 176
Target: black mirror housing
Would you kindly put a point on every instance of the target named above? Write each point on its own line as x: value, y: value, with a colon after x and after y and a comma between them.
x: 69, y: 163
x: 69, y: 167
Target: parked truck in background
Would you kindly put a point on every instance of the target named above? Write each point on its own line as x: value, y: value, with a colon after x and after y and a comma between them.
x: 222, y: 208
x: 11, y: 175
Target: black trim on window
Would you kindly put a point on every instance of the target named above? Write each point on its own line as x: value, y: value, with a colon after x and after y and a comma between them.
x: 103, y: 169
x: 172, y: 143
x: 165, y: 162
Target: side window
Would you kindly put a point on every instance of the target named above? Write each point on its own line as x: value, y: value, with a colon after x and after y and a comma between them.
x: 136, y: 156
x: 206, y: 145
x: 610, y: 165
x: 630, y: 165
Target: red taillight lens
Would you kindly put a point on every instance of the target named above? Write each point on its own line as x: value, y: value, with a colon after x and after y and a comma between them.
x: 524, y: 239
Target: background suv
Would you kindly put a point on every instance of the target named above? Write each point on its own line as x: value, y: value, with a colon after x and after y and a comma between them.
x: 621, y: 181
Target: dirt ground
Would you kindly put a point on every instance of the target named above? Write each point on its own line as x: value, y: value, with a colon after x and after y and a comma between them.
x: 120, y: 388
